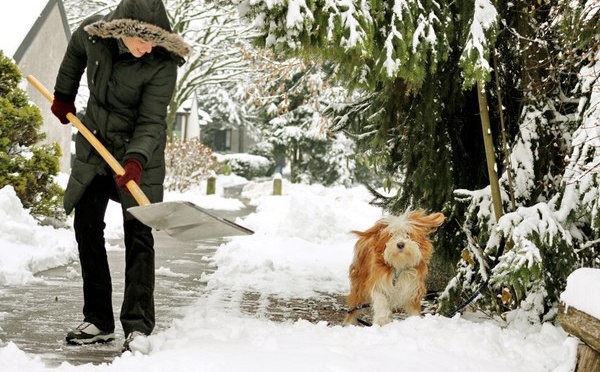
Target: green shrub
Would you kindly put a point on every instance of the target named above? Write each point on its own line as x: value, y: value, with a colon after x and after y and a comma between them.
x: 28, y: 167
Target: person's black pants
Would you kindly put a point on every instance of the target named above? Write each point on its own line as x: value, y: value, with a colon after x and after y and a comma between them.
x: 137, y: 310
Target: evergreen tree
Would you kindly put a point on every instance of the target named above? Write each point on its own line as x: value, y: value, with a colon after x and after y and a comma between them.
x: 24, y: 165
x: 291, y: 110
x: 228, y: 107
x: 279, y: 103
x: 416, y: 64
x: 414, y: 124
x: 549, y: 230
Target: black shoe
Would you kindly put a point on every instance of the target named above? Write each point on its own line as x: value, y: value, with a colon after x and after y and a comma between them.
x: 87, y: 333
x: 127, y: 346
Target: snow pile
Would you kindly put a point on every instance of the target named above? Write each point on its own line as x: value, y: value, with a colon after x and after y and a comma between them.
x: 583, y: 286
x: 26, y: 247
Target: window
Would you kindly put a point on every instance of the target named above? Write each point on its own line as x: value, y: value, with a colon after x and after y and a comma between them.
x: 223, y: 140
x: 179, y: 125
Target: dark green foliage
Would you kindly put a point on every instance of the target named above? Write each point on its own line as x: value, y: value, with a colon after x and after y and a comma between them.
x: 358, y: 44
x: 558, y: 261
x: 418, y: 129
x: 578, y: 32
x: 29, y: 168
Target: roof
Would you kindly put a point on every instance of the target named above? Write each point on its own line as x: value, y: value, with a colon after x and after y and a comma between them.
x: 20, y: 23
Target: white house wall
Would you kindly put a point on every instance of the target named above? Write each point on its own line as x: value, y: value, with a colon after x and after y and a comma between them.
x: 42, y: 60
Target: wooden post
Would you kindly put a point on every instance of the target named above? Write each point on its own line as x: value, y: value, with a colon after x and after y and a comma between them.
x: 489, y: 151
x: 277, y: 185
x: 587, y: 329
x: 211, y: 186
x: 588, y: 359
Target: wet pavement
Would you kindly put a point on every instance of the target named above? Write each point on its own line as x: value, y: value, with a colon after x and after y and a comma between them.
x: 36, y: 317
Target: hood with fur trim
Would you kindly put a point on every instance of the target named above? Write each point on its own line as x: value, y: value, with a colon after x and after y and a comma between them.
x: 146, y: 19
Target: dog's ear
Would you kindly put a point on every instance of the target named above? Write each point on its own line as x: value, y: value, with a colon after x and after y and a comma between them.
x: 429, y: 222
x: 374, y: 230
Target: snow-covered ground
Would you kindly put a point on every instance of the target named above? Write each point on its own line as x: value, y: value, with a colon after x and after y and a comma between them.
x: 301, y: 246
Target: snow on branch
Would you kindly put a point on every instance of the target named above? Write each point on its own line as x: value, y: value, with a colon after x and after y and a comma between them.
x: 349, y: 15
x: 480, y: 40
x: 286, y: 23
x: 581, y: 173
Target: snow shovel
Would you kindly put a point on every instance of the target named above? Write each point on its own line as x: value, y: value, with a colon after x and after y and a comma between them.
x: 181, y: 219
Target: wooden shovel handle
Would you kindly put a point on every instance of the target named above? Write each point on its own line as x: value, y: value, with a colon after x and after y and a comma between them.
x: 133, y: 187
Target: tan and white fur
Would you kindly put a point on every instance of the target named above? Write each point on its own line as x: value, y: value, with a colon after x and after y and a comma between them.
x: 390, y: 266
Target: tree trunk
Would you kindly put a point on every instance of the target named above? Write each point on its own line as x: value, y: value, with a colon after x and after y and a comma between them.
x: 505, y: 147
x: 489, y: 151
x: 294, y: 158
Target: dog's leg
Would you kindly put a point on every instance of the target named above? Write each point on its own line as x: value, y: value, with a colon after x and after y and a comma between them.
x: 355, y: 298
x: 382, y: 313
x: 413, y: 307
x: 354, y: 307
x: 352, y: 317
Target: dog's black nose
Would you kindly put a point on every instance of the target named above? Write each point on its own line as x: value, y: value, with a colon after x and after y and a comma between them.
x: 400, y: 245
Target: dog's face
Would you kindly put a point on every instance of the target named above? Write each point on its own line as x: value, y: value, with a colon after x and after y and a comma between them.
x: 408, y: 243
x: 401, y: 251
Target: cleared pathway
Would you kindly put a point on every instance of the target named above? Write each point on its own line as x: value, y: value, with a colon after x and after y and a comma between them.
x: 37, y: 317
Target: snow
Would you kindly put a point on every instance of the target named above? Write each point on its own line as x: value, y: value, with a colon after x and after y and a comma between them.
x: 26, y: 248
x: 484, y: 18
x: 580, y: 284
x: 301, y: 246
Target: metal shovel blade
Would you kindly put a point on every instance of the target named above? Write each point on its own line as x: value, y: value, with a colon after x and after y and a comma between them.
x: 186, y: 221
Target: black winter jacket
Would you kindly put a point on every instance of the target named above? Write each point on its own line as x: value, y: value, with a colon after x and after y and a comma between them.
x: 129, y: 96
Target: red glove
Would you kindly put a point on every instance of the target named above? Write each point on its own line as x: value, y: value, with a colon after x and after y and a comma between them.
x: 61, y: 108
x: 133, y: 171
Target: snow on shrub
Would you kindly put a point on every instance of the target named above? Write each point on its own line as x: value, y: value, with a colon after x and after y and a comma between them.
x: 247, y: 165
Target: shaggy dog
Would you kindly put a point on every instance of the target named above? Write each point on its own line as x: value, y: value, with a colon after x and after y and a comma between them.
x: 390, y: 266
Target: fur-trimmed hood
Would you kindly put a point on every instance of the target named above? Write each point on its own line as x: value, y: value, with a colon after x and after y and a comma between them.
x: 146, y: 19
